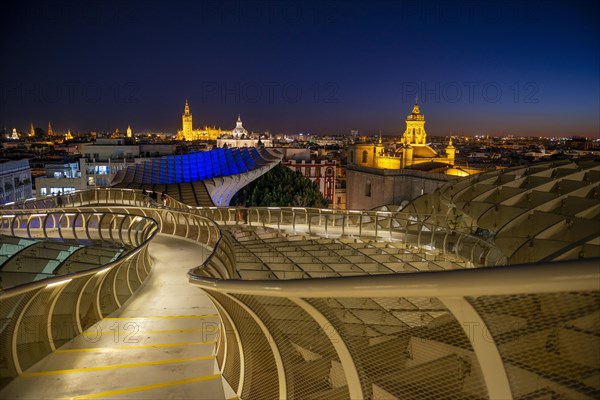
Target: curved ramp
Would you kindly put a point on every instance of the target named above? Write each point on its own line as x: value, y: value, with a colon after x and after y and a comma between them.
x: 381, y: 321
x: 160, y: 344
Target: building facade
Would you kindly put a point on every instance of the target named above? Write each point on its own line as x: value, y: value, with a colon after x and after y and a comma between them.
x: 379, y: 175
x: 369, y: 188
x: 240, y: 137
x: 408, y: 150
x: 322, y: 173
x: 15, y: 180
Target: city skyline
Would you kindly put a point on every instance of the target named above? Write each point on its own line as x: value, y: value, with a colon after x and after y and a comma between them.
x: 320, y: 68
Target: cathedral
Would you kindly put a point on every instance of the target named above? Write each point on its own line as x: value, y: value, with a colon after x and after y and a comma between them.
x: 407, y: 151
x: 238, y: 137
x: 189, y: 133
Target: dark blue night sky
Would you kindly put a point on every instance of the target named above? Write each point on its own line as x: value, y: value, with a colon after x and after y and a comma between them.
x: 522, y: 68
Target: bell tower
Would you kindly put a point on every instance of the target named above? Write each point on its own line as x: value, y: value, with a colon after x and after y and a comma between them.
x: 415, y: 127
x: 186, y: 120
x: 450, y: 151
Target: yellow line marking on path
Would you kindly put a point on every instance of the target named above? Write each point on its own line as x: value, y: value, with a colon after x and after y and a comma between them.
x: 132, y: 332
x: 162, y: 317
x: 133, y: 347
x: 117, y: 366
x: 147, y: 387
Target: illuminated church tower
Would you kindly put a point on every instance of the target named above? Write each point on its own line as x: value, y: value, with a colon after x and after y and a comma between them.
x: 415, y: 127
x: 32, y: 130
x: 450, y: 151
x: 129, y: 134
x: 50, y: 132
x: 186, y: 119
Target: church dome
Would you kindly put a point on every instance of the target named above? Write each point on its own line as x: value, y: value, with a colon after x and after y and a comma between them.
x: 239, y: 130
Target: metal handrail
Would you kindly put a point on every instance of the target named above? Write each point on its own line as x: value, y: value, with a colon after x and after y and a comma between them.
x: 30, y: 286
x: 328, y: 220
x: 362, y: 224
x: 260, y: 314
x: 579, y: 275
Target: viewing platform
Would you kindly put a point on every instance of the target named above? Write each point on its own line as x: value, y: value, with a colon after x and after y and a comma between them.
x: 293, y: 302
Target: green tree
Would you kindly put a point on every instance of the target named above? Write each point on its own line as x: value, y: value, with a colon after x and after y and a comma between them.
x: 280, y: 187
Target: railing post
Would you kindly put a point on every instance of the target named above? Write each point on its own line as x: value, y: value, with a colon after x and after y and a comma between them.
x: 274, y: 349
x: 486, y: 351
x: 338, y: 343
x: 15, y: 336
x: 360, y: 224
x: 225, y: 315
x: 58, y: 292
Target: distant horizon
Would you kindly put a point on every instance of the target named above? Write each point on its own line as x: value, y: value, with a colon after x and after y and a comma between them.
x: 495, y: 68
x: 372, y: 133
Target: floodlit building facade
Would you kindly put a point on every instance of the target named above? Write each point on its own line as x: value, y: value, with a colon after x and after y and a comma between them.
x: 410, y: 149
x: 188, y: 133
x: 377, y: 175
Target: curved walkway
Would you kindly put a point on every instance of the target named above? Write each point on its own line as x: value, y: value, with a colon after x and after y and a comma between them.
x: 160, y: 344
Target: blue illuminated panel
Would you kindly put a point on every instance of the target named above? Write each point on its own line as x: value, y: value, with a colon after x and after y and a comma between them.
x: 187, y: 175
x: 231, y: 162
x: 248, y: 158
x: 195, y: 166
x: 214, y: 162
x: 225, y: 171
x: 208, y: 172
x: 164, y: 170
x: 237, y: 157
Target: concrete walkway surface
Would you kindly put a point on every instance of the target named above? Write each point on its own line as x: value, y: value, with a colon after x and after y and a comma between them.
x: 160, y: 345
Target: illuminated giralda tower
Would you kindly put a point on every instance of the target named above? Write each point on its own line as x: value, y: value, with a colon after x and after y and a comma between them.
x: 186, y: 119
